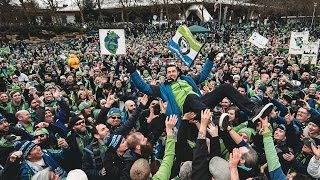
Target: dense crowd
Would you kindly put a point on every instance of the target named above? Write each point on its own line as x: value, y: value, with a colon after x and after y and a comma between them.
x: 68, y: 112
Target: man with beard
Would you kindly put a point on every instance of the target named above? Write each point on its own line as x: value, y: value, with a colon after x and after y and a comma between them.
x: 139, y: 147
x: 8, y: 136
x: 16, y: 103
x: 109, y: 149
x: 129, y: 107
x: 78, y: 138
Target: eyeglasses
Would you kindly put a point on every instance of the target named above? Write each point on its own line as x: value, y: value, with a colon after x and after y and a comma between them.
x: 79, y: 123
x: 40, y: 135
x: 115, y: 117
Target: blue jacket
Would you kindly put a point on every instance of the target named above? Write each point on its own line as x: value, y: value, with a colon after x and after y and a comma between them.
x: 164, y: 89
x: 50, y: 159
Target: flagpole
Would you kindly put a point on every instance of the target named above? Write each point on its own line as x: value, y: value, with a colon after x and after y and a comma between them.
x: 220, y: 11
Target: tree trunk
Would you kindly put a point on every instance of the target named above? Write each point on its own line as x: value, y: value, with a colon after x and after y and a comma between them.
x: 99, y: 10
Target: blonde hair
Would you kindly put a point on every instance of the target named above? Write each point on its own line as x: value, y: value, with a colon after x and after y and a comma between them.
x: 140, y: 170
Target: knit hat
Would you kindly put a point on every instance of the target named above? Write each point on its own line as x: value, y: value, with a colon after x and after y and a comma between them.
x: 282, y: 126
x: 78, y: 73
x: 63, y: 77
x: 83, y: 105
x: 262, y: 88
x: 236, y: 76
x: 219, y: 168
x: 114, y: 111
x: 74, y: 120
x: 287, y: 97
x: 25, y: 147
x: 145, y: 72
x: 315, y: 120
x: 185, y: 170
x: 77, y: 174
x: 96, y: 113
x: 113, y: 141
x: 40, y: 131
x: 247, y: 131
x: 2, y: 118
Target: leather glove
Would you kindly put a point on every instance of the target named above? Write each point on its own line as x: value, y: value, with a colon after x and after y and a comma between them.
x: 212, y: 55
x: 131, y: 67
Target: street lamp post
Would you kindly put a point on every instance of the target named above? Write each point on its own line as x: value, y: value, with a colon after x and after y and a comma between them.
x: 314, y: 10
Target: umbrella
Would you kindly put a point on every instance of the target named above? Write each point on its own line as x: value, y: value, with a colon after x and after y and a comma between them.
x: 199, y: 29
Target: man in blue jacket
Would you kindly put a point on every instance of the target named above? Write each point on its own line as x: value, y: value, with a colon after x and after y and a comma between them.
x: 182, y: 94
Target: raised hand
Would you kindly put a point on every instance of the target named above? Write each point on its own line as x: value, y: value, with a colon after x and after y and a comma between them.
x: 316, y: 151
x: 110, y: 100
x: 189, y: 116
x: 57, y: 94
x: 213, y: 130
x: 62, y: 143
x: 206, y: 116
x: 288, y: 156
x: 15, y: 155
x: 144, y: 100
x: 171, y: 122
x: 234, y: 158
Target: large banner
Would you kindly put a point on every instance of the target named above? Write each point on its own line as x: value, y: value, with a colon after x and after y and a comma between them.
x: 310, y: 53
x: 258, y: 40
x: 297, y: 41
x: 184, y: 45
x: 112, y: 41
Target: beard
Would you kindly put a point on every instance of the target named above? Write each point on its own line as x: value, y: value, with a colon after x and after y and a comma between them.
x: 146, y: 150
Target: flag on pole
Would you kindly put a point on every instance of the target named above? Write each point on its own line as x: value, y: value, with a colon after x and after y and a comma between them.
x: 184, y: 45
x: 4, y: 51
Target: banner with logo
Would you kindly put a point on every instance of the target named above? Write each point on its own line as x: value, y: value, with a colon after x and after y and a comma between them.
x: 310, y: 53
x: 112, y: 41
x: 297, y: 41
x: 258, y: 40
x: 184, y: 45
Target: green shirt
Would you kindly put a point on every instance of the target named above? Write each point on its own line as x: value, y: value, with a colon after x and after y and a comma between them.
x: 164, y: 171
x: 181, y: 89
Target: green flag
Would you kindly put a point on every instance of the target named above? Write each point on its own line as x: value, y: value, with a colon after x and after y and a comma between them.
x: 4, y: 51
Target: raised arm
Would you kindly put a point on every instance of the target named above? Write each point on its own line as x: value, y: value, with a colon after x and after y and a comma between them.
x: 164, y: 171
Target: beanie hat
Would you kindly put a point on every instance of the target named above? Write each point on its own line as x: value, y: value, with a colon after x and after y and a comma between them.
x: 282, y: 126
x: 247, y: 131
x: 83, y: 105
x: 236, y: 76
x: 25, y: 147
x: 287, y: 97
x: 40, y: 131
x: 96, y: 113
x: 113, y: 141
x: 114, y: 111
x: 219, y: 168
x: 2, y: 118
x: 262, y: 88
x: 315, y: 120
x: 77, y: 174
x: 74, y: 120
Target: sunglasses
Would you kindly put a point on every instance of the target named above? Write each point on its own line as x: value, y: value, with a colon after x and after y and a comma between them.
x: 115, y: 117
x: 79, y: 123
x: 40, y: 135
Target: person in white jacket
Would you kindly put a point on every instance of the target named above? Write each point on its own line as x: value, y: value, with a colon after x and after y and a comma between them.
x: 314, y: 164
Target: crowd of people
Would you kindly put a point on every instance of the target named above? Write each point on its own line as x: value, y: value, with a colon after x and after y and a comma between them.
x: 68, y: 112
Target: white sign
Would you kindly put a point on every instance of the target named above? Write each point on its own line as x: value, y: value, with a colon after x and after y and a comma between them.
x: 112, y: 41
x: 297, y: 41
x: 258, y: 40
x: 310, y: 53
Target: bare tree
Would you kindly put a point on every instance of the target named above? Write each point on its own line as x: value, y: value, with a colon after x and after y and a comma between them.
x: 53, y: 6
x: 80, y: 5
